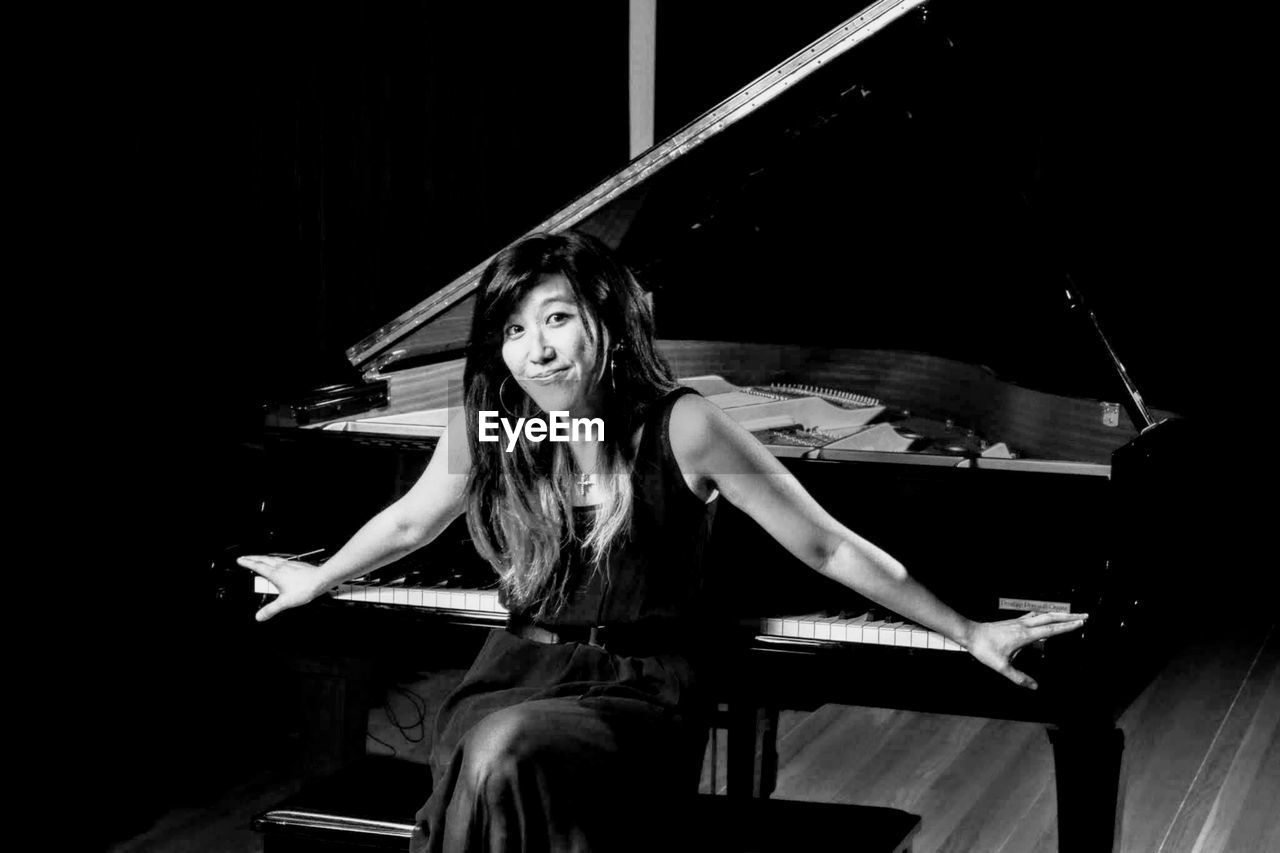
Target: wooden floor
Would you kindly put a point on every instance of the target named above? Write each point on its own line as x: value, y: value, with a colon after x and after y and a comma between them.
x: 1201, y: 774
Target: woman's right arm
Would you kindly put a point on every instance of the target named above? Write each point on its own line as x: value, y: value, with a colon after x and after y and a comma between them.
x: 411, y: 522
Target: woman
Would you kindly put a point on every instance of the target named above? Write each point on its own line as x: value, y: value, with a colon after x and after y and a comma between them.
x: 584, y: 717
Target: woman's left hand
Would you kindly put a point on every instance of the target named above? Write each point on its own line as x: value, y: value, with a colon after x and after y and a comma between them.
x: 994, y: 643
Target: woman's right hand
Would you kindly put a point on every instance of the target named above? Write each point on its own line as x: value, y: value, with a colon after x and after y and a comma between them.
x: 297, y: 582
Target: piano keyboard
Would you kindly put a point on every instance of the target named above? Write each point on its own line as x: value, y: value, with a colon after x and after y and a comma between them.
x: 866, y: 628
x: 427, y: 598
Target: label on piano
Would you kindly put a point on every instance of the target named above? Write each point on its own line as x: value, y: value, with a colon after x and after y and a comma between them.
x: 1031, y: 605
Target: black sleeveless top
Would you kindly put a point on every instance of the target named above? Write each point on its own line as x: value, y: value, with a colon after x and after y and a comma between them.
x: 654, y: 591
x: 654, y: 576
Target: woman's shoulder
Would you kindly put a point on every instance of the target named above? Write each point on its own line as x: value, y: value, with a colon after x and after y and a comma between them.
x: 690, y: 411
x: 705, y: 440
x: 692, y: 426
x: 680, y: 408
x: 691, y: 430
x: 654, y: 415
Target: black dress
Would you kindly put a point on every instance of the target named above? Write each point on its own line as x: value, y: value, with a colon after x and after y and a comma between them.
x: 573, y: 746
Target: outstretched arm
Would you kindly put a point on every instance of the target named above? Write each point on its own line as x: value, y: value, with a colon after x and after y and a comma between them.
x: 716, y: 452
x: 406, y: 525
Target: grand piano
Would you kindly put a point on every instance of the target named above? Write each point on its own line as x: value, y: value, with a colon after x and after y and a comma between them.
x: 854, y: 255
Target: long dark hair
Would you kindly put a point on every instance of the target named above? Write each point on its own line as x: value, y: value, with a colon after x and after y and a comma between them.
x: 519, y: 505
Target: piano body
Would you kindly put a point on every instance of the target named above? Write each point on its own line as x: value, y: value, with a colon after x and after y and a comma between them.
x: 841, y: 256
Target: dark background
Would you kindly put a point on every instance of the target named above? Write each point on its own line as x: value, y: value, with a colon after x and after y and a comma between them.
x: 266, y: 184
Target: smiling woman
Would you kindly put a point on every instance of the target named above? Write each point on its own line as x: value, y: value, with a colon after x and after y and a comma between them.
x: 549, y: 345
x: 552, y: 315
x: 585, y: 717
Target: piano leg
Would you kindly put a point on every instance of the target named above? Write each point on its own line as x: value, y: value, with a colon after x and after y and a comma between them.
x: 753, y: 750
x: 335, y: 694
x: 1086, y: 760
x: 768, y: 721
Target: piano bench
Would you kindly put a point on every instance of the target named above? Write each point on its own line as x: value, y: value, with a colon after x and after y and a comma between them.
x: 370, y: 806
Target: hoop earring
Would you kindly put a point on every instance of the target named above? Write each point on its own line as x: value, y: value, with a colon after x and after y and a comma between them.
x: 501, y: 402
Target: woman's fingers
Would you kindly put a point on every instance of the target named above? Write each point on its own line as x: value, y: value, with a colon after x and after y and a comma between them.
x: 1043, y: 631
x: 998, y: 642
x: 264, y: 566
x: 1019, y: 677
x: 291, y: 579
x: 1032, y: 620
x: 271, y: 609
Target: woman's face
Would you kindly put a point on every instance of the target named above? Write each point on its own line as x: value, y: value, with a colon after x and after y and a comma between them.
x: 548, y: 349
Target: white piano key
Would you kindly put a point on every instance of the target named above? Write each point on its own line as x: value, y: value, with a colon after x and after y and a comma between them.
x: 773, y: 627
x: 936, y: 641
x: 417, y: 597
x: 919, y: 637
x: 457, y: 600
x: 790, y: 626
x: 805, y: 626
x: 840, y: 631
x: 472, y: 601
x: 853, y: 628
x: 871, y: 632
x: 888, y: 634
x: 400, y: 596
x: 822, y: 628
x: 952, y: 645
x: 902, y: 635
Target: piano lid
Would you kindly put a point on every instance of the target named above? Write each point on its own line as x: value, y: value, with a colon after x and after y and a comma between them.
x: 613, y: 200
x: 893, y: 187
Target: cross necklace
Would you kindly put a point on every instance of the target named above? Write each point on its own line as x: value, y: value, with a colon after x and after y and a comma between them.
x: 585, y: 480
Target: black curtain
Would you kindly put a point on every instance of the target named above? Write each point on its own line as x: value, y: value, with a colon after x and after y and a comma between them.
x: 268, y: 184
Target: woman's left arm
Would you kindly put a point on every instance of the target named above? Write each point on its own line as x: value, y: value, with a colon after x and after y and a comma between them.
x: 715, y: 451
